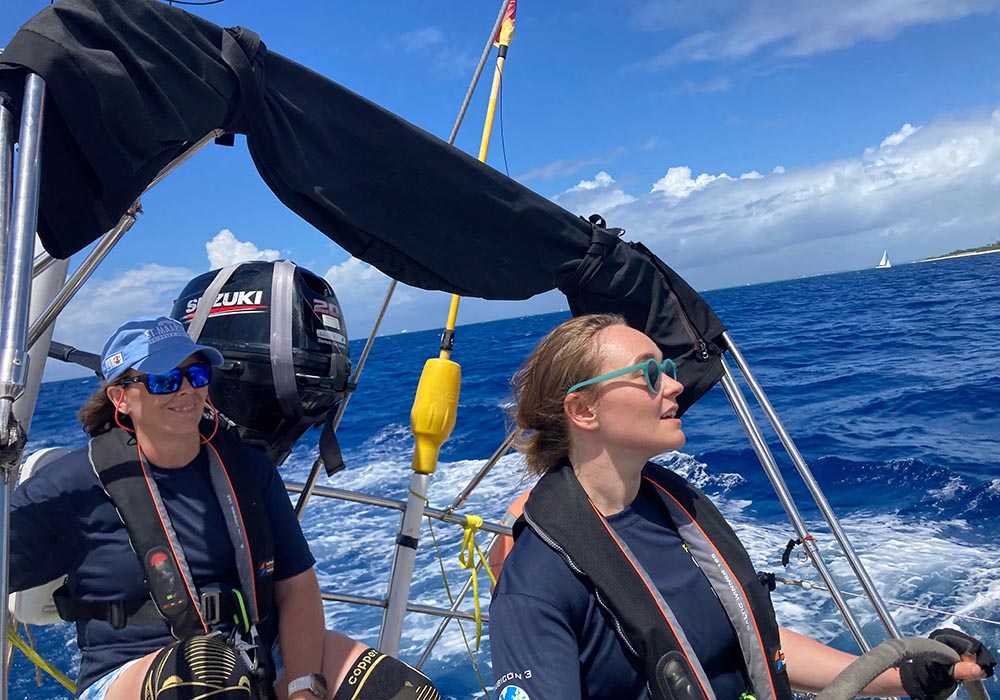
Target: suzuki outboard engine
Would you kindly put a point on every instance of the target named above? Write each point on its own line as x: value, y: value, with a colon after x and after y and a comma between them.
x: 282, y: 333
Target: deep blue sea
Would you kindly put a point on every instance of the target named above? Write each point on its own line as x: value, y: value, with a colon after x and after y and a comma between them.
x: 888, y: 380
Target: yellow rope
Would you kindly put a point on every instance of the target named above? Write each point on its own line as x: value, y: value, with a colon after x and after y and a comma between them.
x: 467, y: 560
x: 16, y: 640
x: 451, y: 598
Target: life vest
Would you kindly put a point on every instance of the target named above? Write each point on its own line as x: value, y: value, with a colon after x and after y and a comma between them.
x: 563, y: 516
x: 174, y: 597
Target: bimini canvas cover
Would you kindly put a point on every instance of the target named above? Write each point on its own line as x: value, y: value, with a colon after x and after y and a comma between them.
x: 130, y: 83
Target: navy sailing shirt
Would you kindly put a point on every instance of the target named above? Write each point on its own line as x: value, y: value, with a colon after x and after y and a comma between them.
x: 550, y: 640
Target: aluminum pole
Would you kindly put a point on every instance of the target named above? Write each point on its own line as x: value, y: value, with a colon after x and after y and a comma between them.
x: 402, y: 566
x: 817, y: 493
x: 20, y: 248
x: 82, y: 273
x: 6, y: 182
x: 759, y: 445
x: 14, y: 318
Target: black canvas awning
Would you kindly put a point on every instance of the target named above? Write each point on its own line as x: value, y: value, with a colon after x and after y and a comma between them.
x: 131, y: 83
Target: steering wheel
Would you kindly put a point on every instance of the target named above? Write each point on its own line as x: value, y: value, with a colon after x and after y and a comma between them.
x: 889, y: 654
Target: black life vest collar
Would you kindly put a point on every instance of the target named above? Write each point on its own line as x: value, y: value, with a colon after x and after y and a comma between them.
x: 563, y: 516
x: 125, y: 477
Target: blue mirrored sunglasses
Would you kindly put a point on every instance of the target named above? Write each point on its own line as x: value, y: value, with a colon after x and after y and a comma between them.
x: 199, y: 375
x: 652, y: 370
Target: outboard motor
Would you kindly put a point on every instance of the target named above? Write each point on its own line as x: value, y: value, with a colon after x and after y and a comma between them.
x: 282, y: 333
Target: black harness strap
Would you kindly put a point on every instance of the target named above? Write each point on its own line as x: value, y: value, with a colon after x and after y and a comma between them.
x: 127, y: 481
x: 561, y: 514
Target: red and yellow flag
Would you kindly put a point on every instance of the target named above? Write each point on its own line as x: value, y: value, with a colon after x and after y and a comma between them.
x: 506, y: 32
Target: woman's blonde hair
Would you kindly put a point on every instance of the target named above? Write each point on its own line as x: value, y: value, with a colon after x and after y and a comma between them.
x: 567, y: 355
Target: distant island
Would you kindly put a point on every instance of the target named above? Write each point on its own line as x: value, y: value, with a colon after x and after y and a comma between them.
x: 991, y: 248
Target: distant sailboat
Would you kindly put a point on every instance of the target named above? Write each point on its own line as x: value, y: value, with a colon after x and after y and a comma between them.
x: 884, y: 263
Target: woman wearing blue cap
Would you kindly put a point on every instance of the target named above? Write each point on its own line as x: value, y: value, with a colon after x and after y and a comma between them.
x: 183, y: 559
x: 625, y: 582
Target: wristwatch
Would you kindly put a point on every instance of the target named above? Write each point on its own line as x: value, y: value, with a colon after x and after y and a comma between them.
x: 314, y: 683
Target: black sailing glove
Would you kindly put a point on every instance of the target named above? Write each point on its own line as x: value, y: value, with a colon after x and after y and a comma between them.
x: 930, y: 680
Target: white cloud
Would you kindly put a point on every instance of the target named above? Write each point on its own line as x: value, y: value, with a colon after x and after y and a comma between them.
x: 225, y: 249
x: 895, y: 139
x: 923, y: 190
x: 103, y: 305
x: 723, y: 30
x: 594, y: 196
x: 678, y: 183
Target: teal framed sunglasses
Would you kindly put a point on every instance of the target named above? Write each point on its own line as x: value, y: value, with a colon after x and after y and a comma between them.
x: 652, y: 370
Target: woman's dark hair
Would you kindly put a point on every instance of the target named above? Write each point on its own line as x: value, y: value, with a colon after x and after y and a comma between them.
x: 97, y: 415
x: 567, y: 355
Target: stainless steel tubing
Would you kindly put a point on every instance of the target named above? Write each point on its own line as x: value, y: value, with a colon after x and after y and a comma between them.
x: 20, y: 249
x: 80, y: 276
x: 817, y: 493
x: 6, y: 182
x: 43, y: 261
x: 357, y: 497
x: 6, y: 188
x: 411, y: 607
x: 478, y: 72
x: 401, y: 573
x: 20, y: 233
x: 183, y: 158
x: 478, y: 478
x: 759, y: 445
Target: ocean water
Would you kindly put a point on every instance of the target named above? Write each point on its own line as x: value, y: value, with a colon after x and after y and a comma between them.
x: 888, y: 380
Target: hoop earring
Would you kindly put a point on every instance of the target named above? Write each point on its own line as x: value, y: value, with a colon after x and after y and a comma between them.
x: 215, y: 428
x: 118, y: 415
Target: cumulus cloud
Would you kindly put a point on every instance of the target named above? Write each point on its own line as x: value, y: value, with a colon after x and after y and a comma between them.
x: 724, y: 30
x: 594, y: 196
x: 104, y: 304
x: 922, y: 191
x: 226, y: 249
x: 678, y: 183
x: 897, y: 138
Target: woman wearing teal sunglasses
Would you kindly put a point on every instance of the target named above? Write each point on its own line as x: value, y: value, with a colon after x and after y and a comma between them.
x: 625, y: 582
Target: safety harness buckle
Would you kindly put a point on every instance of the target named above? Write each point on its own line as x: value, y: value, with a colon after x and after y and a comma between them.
x: 117, y: 615
x: 211, y: 606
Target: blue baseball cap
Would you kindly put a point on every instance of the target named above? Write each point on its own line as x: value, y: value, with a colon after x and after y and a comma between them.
x: 151, y: 344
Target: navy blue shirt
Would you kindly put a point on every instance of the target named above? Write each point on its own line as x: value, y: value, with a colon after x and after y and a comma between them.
x: 64, y: 524
x: 550, y: 639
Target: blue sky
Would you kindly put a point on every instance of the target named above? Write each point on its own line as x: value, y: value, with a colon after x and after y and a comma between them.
x: 742, y: 141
